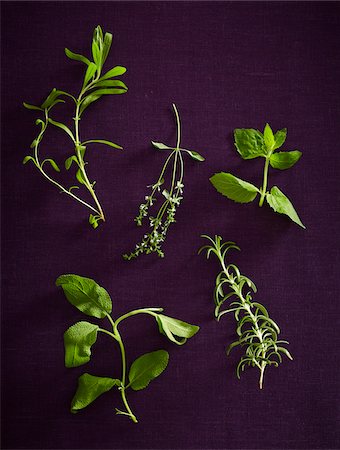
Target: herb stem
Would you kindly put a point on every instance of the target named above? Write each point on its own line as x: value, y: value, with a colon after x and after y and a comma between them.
x: 265, y: 181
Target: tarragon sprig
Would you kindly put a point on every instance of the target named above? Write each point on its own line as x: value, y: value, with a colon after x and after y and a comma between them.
x: 171, y: 197
x: 252, y: 144
x: 256, y: 331
x: 94, y: 86
x: 93, y: 300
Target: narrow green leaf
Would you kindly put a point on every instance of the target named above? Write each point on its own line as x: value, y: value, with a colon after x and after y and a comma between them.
x: 106, y: 46
x: 268, y: 136
x: 73, y: 187
x: 53, y: 164
x: 28, y: 106
x: 111, y: 83
x: 28, y: 158
x: 161, y: 146
x: 194, y: 154
x: 63, y: 127
x: 86, y: 295
x: 90, y: 71
x: 69, y: 161
x: 280, y: 137
x: 80, y: 177
x: 109, y: 92
x: 115, y: 72
x: 281, y: 204
x: 96, y: 54
x: 87, y: 102
x: 93, y: 220
x: 174, y: 329
x: 103, y: 141
x: 249, y: 143
x: 284, y: 160
x: 89, y: 388
x: 77, y: 57
x: 54, y: 94
x: 78, y: 340
x: 234, y: 188
x: 147, y: 367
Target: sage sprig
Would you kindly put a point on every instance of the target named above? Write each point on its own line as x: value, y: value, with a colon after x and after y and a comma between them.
x: 93, y: 300
x: 94, y: 86
x: 252, y: 144
x: 170, y: 197
x: 256, y: 331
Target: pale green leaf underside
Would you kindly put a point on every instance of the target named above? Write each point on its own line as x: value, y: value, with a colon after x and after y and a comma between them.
x: 147, y: 367
x: 89, y: 388
x: 78, y: 340
x: 284, y: 160
x: 281, y: 204
x: 86, y: 295
x: 176, y: 330
x: 234, y: 188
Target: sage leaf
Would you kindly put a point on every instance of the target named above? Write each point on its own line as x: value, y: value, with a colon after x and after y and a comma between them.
x: 280, y: 137
x: 249, y: 143
x: 284, y: 160
x: 147, y: 367
x: 78, y: 340
x: 77, y: 57
x: 161, y: 146
x: 89, y: 388
x: 175, y: 329
x: 234, y: 188
x: 282, y: 205
x: 115, y: 72
x: 193, y: 154
x: 86, y: 295
x: 104, y: 141
x: 268, y: 136
x: 63, y: 127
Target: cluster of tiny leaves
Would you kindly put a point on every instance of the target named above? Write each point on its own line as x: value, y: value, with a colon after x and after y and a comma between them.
x: 94, y: 301
x: 170, y: 198
x: 252, y: 144
x: 256, y: 331
x: 94, y: 86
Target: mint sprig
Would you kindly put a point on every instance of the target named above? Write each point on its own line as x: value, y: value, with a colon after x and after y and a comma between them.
x: 93, y: 300
x: 252, y: 144
x: 94, y: 86
x: 256, y: 331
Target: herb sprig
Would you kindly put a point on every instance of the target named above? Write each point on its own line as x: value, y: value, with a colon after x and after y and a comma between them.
x: 256, y: 331
x: 171, y: 198
x: 252, y: 144
x: 93, y: 300
x: 94, y: 86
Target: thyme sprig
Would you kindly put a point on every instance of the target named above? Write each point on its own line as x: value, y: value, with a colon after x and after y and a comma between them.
x: 94, y: 86
x: 171, y: 198
x: 256, y: 331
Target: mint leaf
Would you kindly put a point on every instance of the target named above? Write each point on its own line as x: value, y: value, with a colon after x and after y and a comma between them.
x: 249, y: 143
x: 281, y: 204
x: 147, y: 367
x: 89, y: 388
x: 78, y: 340
x: 284, y: 160
x: 86, y: 295
x: 269, y: 139
x: 174, y: 329
x: 280, y: 137
x: 234, y: 188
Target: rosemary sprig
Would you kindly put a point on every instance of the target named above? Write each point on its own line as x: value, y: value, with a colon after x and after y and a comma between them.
x: 256, y: 331
x: 171, y: 198
x: 94, y: 86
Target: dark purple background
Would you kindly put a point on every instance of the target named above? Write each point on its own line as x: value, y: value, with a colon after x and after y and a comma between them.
x: 226, y: 65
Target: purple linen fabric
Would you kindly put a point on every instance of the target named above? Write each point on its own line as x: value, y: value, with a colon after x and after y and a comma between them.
x: 225, y: 65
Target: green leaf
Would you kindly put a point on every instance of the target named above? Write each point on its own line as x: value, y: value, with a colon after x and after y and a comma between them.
x: 54, y: 94
x: 234, y: 188
x: 90, y: 71
x: 115, y: 72
x: 77, y: 57
x: 174, y: 329
x: 111, y: 83
x: 194, y: 154
x: 106, y: 46
x: 147, y: 367
x: 89, y: 388
x: 80, y: 177
x: 28, y: 106
x: 53, y: 164
x: 103, y: 141
x: 161, y: 146
x: 249, y: 143
x: 87, y: 102
x: 284, y: 160
x: 280, y: 137
x: 109, y: 92
x: 281, y: 204
x: 93, y: 220
x: 86, y: 295
x: 268, y: 136
x: 28, y: 158
x: 70, y: 160
x: 96, y: 54
x: 78, y: 340
x: 63, y: 127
